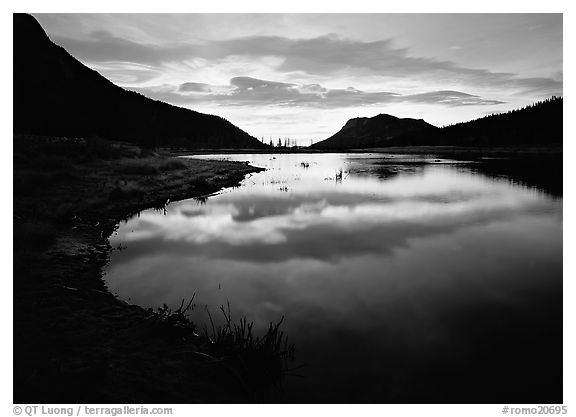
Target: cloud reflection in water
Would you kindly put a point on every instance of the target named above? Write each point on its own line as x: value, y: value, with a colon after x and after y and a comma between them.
x: 396, y: 262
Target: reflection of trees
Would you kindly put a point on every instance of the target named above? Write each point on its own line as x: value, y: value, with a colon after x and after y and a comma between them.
x: 385, y: 171
x: 338, y: 176
x: 201, y: 200
x: 543, y: 173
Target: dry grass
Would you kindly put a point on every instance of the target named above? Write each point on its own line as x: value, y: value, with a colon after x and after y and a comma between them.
x: 74, y: 341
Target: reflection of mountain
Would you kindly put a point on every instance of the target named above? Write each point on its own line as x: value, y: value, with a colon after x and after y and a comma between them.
x: 364, y: 132
x: 54, y: 94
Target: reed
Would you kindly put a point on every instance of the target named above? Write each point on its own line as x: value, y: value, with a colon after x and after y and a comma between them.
x: 267, y: 355
x: 262, y: 357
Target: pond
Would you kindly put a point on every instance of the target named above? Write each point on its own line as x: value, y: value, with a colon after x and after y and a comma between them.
x: 402, y: 278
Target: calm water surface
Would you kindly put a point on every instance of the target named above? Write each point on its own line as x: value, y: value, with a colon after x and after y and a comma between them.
x: 410, y: 279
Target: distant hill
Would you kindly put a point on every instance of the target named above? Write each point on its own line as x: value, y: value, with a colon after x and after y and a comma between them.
x: 537, y: 124
x: 55, y: 94
x: 372, y: 132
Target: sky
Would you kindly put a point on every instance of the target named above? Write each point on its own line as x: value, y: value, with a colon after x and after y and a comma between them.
x: 302, y: 76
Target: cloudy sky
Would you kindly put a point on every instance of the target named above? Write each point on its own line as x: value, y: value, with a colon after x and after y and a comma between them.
x: 304, y: 75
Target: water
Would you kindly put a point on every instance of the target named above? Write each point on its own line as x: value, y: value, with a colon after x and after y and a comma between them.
x: 407, y: 279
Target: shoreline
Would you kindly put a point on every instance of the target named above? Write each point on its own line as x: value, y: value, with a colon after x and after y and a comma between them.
x: 74, y: 341
x: 505, y: 151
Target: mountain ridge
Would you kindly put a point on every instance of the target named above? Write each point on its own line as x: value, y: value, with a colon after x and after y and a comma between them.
x: 537, y: 124
x: 364, y: 132
x: 55, y: 94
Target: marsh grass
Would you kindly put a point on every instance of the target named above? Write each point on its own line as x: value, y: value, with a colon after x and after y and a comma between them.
x: 120, y: 193
x: 176, y: 321
x: 200, y: 182
x: 263, y: 357
x: 172, y: 165
x: 80, y: 149
x: 137, y: 168
x: 266, y: 356
x: 62, y: 216
x: 34, y: 233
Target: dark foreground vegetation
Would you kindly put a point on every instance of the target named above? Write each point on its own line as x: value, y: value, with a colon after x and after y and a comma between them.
x: 73, y: 340
x: 55, y: 94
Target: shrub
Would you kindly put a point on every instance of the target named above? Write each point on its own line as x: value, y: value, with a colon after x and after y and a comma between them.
x: 199, y: 182
x: 172, y: 165
x: 119, y: 193
x: 134, y: 168
x: 34, y: 234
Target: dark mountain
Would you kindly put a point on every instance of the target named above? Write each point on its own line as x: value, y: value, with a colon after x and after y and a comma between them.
x: 537, y: 124
x: 372, y: 132
x: 55, y: 94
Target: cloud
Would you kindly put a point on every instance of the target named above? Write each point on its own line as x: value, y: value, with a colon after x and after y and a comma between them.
x: 127, y: 73
x: 248, y: 91
x: 261, y: 228
x: 450, y: 98
x: 321, y: 55
x: 249, y: 83
x: 102, y: 47
x: 195, y: 87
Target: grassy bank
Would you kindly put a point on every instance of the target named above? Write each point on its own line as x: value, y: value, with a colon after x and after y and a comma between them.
x: 73, y: 340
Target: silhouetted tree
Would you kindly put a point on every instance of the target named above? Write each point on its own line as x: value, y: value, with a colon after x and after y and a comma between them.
x: 539, y: 123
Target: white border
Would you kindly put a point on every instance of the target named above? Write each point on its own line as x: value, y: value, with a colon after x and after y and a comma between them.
x: 270, y: 6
